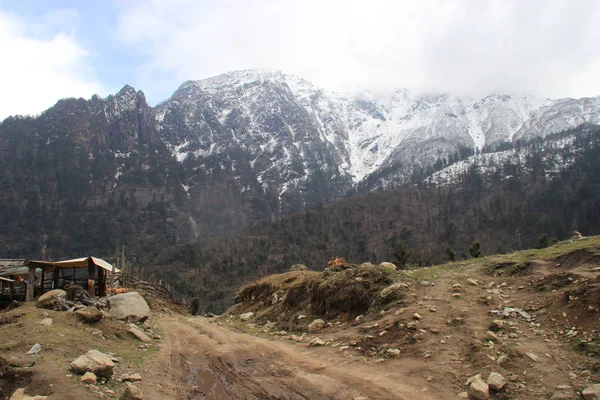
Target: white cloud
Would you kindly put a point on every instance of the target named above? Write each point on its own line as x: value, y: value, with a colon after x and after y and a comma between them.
x: 37, y: 69
x: 461, y: 46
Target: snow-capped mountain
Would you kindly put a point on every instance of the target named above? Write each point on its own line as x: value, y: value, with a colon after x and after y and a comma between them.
x: 290, y: 128
x: 242, y: 147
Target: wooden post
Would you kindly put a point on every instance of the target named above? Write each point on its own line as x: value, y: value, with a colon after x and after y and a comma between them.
x: 42, y: 283
x: 123, y: 264
x: 101, y: 282
x: 30, y: 284
x: 112, y: 276
x: 11, y: 286
x: 55, y: 276
x: 91, y: 277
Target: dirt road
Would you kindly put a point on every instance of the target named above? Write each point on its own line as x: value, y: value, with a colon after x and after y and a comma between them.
x: 202, y: 360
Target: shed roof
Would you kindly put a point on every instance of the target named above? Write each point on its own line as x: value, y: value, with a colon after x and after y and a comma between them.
x: 6, y: 264
x: 21, y: 267
x: 73, y: 263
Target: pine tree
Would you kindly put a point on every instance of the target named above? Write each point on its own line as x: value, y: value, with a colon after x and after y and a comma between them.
x: 401, y: 254
x: 543, y: 241
x: 450, y: 253
x: 475, y: 249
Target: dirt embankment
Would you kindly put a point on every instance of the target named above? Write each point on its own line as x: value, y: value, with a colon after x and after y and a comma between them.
x: 353, y: 333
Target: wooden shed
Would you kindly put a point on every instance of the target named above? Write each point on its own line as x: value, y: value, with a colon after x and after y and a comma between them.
x: 90, y: 272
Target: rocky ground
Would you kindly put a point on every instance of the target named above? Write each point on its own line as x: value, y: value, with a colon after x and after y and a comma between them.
x: 518, y: 326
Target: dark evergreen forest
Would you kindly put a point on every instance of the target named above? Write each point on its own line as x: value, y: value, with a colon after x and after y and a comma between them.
x: 505, y: 210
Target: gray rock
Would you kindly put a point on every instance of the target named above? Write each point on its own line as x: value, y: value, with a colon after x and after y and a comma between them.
x: 395, y: 291
x: 89, y: 314
x: 132, y: 392
x: 131, y: 377
x: 388, y: 265
x: 298, y: 267
x: 46, y: 321
x: 34, y: 349
x: 246, y: 316
x: 90, y: 378
x: 316, y: 325
x: 479, y: 389
x: 496, y: 381
x: 591, y: 392
x: 94, y: 361
x: 51, y: 299
x: 139, y: 335
x: 128, y: 306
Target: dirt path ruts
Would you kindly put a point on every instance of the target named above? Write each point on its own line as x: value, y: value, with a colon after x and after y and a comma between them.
x: 202, y: 360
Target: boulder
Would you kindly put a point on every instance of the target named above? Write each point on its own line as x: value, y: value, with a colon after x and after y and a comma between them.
x: 496, y: 381
x: 94, y: 361
x: 388, y: 265
x: 591, y: 392
x: 246, y: 316
x: 395, y: 291
x: 367, y: 265
x: 19, y: 394
x: 132, y: 392
x: 89, y: 314
x: 298, y: 267
x: 316, y: 325
x: 89, y: 377
x: 128, y: 306
x: 51, y: 299
x: 479, y: 389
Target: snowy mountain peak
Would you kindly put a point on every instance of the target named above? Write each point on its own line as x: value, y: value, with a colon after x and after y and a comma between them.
x: 371, y: 133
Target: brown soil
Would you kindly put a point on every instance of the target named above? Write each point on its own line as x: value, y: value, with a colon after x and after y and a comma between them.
x: 227, y: 358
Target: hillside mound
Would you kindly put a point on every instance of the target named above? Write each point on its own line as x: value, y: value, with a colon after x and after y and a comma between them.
x: 531, y: 317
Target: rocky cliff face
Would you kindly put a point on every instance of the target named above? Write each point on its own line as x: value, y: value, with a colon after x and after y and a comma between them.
x: 225, y: 152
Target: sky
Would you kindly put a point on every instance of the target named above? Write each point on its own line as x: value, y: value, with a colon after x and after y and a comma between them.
x: 71, y: 48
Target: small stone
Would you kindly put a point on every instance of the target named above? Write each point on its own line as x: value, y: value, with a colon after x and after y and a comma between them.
x: 379, y: 360
x: 316, y: 342
x: 496, y: 381
x: 89, y: 377
x: 35, y: 349
x: 417, y: 316
x: 496, y: 325
x: 246, y: 316
x: 533, y: 356
x: 591, y: 392
x: 586, y: 373
x: 132, y: 392
x: 316, y: 325
x: 139, y: 335
x: 89, y: 314
x: 361, y: 398
x: 393, y: 352
x: 457, y: 295
x: 463, y: 395
x: 502, y: 359
x: 46, y: 322
x: 131, y: 377
x: 491, y: 336
x: 479, y: 389
x: 473, y: 282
